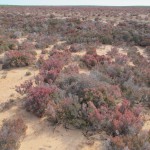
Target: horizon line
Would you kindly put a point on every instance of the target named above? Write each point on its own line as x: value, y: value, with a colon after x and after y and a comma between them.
x: 80, y: 5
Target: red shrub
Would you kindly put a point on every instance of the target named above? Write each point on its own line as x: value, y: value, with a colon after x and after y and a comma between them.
x: 50, y: 69
x: 104, y: 94
x: 126, y: 119
x: 101, y: 117
x: 38, y: 98
x: 93, y: 60
x: 16, y: 58
x: 50, y: 75
x: 51, y: 63
x: 64, y: 56
x: 121, y: 121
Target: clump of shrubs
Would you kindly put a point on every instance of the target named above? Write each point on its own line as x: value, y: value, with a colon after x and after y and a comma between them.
x: 76, y: 47
x: 139, y: 141
x: 118, y: 120
x: 75, y: 84
x: 62, y: 46
x: 96, y: 106
x: 94, y: 59
x: 94, y: 115
x: 7, y: 44
x: 38, y: 98
x: 7, y: 105
x: 126, y: 120
x: 44, y: 41
x: 103, y: 94
x: 67, y: 112
x: 11, y: 133
x: 51, y: 68
x: 63, y: 56
x: 16, y: 58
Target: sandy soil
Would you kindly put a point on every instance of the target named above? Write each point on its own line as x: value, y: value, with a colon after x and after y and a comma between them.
x: 11, y: 78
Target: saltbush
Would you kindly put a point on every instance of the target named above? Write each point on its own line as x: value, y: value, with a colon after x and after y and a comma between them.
x: 7, y: 44
x: 16, y: 58
x: 51, y: 68
x: 76, y: 83
x: 121, y: 120
x: 103, y: 94
x: 93, y: 60
x: 38, y: 98
x: 126, y: 119
x: 139, y: 141
x: 11, y: 133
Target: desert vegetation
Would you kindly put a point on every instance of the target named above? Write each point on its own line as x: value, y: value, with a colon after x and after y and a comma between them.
x: 83, y: 68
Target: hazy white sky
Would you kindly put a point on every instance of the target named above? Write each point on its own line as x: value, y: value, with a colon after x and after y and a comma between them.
x: 77, y: 2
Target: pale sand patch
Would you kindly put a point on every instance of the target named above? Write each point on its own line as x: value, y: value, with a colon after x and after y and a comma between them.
x: 104, y: 49
x: 2, y: 55
x: 13, y: 78
x: 22, y: 39
x: 146, y: 126
x: 84, y: 71
x: 131, y: 64
x: 41, y: 136
x: 82, y: 53
x: 141, y: 51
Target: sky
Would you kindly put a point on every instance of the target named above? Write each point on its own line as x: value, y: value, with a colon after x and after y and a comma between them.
x: 78, y: 2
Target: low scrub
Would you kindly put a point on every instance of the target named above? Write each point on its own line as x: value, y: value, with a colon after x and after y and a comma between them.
x: 91, y: 60
x: 16, y: 58
x: 139, y: 141
x: 38, y: 98
x: 11, y: 133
